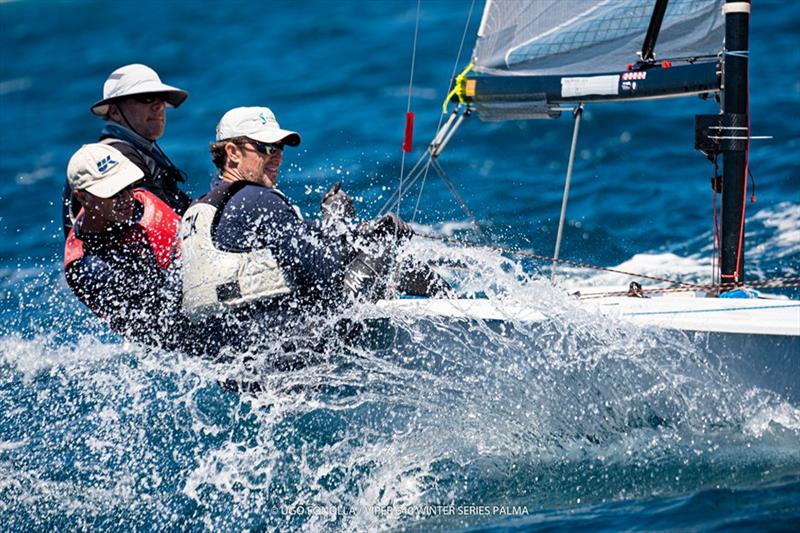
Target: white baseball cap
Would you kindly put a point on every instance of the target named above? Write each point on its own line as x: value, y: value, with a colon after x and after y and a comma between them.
x: 257, y: 123
x: 101, y: 170
x: 136, y: 79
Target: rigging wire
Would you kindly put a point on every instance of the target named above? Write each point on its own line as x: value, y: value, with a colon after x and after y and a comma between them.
x: 408, y: 180
x: 454, y: 192
x: 441, y: 117
x: 410, y: 88
x: 716, y: 252
x: 409, y: 127
x: 745, y: 54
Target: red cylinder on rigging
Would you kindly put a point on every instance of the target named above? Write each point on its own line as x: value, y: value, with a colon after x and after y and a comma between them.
x: 409, y: 133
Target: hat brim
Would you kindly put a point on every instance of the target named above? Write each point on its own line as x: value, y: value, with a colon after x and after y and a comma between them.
x: 292, y: 138
x: 174, y: 96
x: 128, y: 174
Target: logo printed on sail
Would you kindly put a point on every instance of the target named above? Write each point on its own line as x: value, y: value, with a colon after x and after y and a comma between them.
x: 106, y: 164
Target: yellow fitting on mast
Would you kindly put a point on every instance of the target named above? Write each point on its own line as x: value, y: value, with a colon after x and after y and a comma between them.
x: 459, y: 89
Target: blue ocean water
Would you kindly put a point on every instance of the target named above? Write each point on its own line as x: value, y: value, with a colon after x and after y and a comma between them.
x: 594, y: 427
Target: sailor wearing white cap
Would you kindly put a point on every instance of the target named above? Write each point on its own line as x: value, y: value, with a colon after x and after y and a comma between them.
x: 246, y: 249
x: 134, y: 105
x: 118, y: 255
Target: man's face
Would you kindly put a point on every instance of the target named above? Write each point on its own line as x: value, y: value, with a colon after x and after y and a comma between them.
x: 145, y: 113
x: 261, y: 162
x: 108, y: 212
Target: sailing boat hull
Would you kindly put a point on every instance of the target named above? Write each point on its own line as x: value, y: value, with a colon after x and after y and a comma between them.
x: 753, y: 342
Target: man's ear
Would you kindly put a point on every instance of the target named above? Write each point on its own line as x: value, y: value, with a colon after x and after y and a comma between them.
x: 233, y: 153
x: 113, y: 113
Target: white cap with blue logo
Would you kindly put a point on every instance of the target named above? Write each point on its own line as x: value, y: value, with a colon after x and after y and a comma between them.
x: 101, y: 170
x: 257, y: 123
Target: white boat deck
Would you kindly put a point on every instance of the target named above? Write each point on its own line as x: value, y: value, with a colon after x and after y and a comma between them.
x: 684, y: 312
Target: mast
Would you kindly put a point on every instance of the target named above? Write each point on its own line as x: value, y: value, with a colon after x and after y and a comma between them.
x: 735, y: 110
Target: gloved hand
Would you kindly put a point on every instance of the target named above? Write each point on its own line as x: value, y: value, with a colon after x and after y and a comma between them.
x: 391, y: 224
x: 336, y: 204
x: 369, y: 272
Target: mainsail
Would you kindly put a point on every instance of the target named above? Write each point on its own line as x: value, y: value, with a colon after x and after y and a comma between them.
x: 531, y: 55
x: 535, y: 58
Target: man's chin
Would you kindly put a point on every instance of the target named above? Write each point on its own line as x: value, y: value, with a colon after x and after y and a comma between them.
x: 155, y: 133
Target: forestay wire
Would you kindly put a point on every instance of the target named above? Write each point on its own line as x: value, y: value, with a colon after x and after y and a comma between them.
x: 428, y: 158
x: 441, y: 117
x: 410, y: 88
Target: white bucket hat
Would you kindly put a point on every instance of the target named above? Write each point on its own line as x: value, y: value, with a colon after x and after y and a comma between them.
x: 257, y: 123
x: 136, y: 79
x: 101, y: 170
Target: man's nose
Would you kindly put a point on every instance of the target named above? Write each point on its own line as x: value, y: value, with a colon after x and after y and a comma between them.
x: 158, y: 105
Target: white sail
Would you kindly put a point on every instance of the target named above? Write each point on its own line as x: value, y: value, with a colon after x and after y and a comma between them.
x: 558, y: 37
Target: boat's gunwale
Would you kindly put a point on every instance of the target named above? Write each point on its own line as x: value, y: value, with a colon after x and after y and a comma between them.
x: 745, y: 316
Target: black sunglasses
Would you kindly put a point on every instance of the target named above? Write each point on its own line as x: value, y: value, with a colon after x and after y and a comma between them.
x: 266, y: 148
x: 149, y: 98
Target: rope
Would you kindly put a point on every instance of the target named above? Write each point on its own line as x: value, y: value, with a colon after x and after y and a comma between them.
x: 756, y: 284
x: 455, y: 65
x: 458, y: 88
x: 463, y: 39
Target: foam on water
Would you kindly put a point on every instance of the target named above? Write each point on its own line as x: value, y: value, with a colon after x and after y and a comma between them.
x: 587, y: 422
x: 783, y: 224
x: 395, y: 415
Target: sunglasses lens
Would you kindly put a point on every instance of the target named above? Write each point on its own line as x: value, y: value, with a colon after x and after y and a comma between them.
x: 149, y: 98
x: 268, y: 149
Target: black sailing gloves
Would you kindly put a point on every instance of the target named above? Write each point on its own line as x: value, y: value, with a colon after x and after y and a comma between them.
x: 336, y: 204
x: 369, y: 273
x: 373, y: 272
x: 387, y: 226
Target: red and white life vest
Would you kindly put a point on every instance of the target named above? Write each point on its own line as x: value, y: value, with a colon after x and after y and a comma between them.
x: 158, y: 227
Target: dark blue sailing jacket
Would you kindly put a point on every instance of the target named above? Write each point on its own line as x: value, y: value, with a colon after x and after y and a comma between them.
x: 311, y: 256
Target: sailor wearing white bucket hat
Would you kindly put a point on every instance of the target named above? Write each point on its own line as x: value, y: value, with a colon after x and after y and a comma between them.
x: 136, y: 80
x: 134, y: 104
